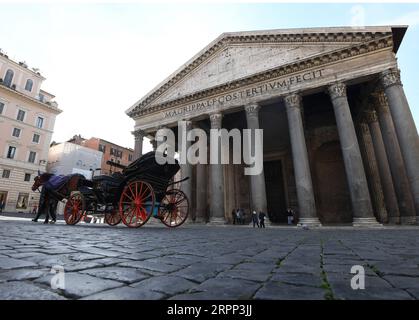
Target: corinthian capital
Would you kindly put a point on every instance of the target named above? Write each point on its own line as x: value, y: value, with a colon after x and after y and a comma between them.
x: 138, y: 134
x: 337, y: 90
x: 380, y: 101
x: 390, y: 78
x: 293, y: 101
x: 369, y: 116
x: 215, y: 119
x: 252, y: 110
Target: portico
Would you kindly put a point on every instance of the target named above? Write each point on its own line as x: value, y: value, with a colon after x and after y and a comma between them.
x: 303, y: 88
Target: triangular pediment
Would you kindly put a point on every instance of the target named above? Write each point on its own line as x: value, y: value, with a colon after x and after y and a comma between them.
x: 239, y: 61
x: 234, y: 56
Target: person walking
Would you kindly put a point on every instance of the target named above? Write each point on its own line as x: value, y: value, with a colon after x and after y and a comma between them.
x: 262, y: 219
x: 233, y: 214
x: 290, y: 216
x: 243, y: 216
x: 2, y: 204
x: 238, y: 216
x: 255, y: 219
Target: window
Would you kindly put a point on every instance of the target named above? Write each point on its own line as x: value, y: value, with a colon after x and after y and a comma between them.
x: 35, y: 138
x: 29, y: 85
x: 27, y: 177
x: 130, y: 157
x: 117, y: 153
x: 11, y: 152
x: 16, y: 132
x: 102, y: 148
x: 39, y: 122
x: 32, y: 156
x: 6, y: 174
x: 41, y: 97
x: 22, y: 201
x: 1, y: 107
x: 21, y: 115
x: 8, y: 78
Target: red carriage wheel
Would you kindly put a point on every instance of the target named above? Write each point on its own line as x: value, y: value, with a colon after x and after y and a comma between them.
x: 74, y: 208
x: 174, y: 208
x: 136, y: 204
x: 113, y: 217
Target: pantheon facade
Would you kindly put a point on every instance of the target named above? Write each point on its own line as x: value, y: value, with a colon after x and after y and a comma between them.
x: 340, y: 145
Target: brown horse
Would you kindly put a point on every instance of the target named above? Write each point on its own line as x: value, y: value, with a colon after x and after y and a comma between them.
x: 54, y: 189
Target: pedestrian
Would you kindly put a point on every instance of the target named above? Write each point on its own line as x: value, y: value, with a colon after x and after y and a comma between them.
x: 255, y: 219
x: 2, y: 204
x: 290, y: 215
x: 243, y: 216
x: 233, y: 214
x: 238, y: 216
x: 262, y: 219
x: 34, y: 209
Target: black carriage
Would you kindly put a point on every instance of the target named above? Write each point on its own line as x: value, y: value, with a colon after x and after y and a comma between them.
x: 145, y: 188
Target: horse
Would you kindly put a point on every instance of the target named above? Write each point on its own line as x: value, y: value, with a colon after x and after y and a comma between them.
x: 55, y: 188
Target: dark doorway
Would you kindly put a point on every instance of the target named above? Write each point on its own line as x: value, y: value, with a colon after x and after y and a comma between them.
x: 275, y: 193
x: 332, y: 194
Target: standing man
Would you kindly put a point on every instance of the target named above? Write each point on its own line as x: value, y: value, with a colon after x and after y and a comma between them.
x: 255, y: 219
x: 262, y: 219
x: 233, y: 213
x: 2, y: 205
x: 238, y: 216
x: 290, y: 216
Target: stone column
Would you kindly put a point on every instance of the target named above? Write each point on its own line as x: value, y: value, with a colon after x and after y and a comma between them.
x: 305, y: 194
x: 186, y: 168
x: 355, y: 174
x: 371, y: 167
x: 138, y: 146
x: 384, y: 169
x: 395, y: 159
x: 405, y: 127
x: 217, y: 215
x: 201, y: 193
x: 257, y: 182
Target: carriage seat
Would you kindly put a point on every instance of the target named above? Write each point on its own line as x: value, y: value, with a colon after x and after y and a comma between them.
x: 108, y: 182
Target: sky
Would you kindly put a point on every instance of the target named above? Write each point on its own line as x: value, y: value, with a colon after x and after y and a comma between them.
x: 100, y: 58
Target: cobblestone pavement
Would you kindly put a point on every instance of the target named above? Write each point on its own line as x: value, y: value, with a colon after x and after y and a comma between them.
x: 198, y: 262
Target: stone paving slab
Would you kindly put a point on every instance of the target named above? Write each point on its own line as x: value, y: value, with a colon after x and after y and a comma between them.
x: 199, y: 262
x: 343, y: 291
x: 126, y: 275
x: 21, y: 274
x: 245, y: 274
x: 297, y: 279
x: 126, y: 293
x: 10, y: 263
x: 15, y: 290
x: 79, y: 285
x: 273, y: 290
x: 169, y: 285
x: 225, y: 288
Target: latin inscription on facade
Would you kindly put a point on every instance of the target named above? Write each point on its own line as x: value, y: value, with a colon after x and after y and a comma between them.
x: 283, y: 83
